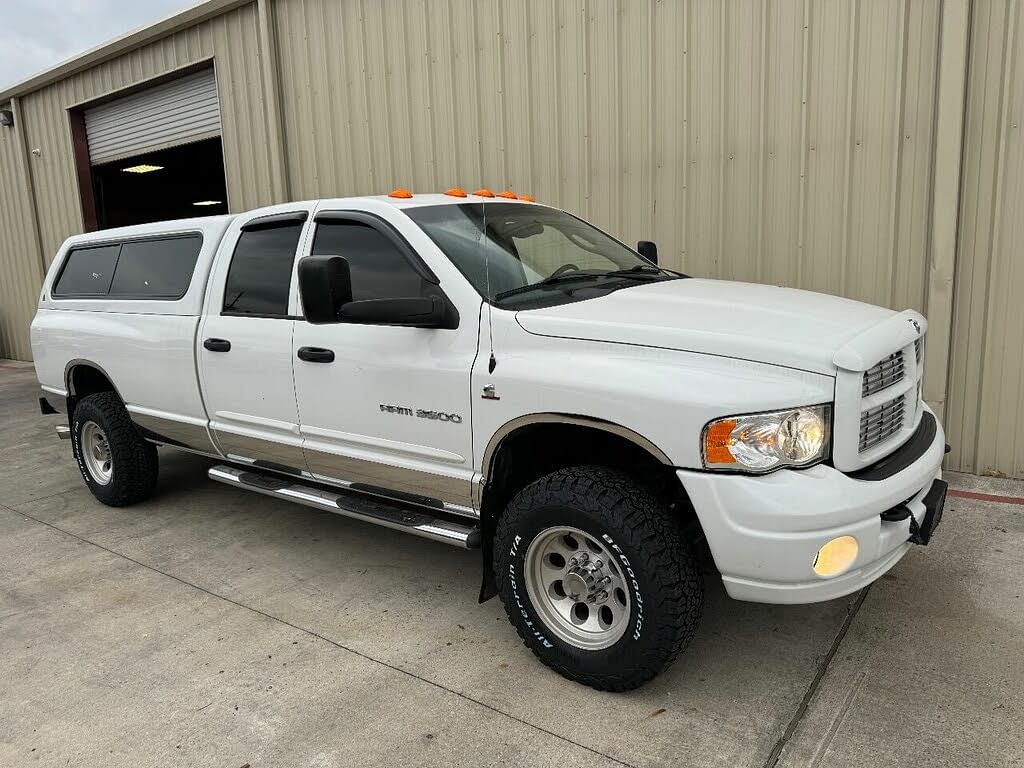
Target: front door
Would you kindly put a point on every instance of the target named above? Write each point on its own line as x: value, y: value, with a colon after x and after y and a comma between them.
x: 245, y: 346
x: 388, y: 411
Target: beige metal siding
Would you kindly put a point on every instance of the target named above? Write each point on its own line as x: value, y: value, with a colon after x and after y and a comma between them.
x: 232, y: 40
x: 783, y: 141
x: 985, y: 419
x: 20, y: 267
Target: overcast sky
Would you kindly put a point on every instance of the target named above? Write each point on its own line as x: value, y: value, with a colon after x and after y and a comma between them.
x: 36, y: 34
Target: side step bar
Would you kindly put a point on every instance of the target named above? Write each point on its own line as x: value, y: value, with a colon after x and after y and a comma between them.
x: 371, y: 510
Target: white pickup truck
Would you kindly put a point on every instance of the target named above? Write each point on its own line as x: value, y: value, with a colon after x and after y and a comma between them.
x: 492, y: 373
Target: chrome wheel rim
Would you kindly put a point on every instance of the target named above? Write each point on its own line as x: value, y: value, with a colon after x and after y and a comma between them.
x: 576, y: 586
x: 96, y: 453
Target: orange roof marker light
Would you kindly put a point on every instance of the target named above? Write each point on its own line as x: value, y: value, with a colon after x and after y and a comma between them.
x: 455, y: 192
x: 401, y: 194
x: 483, y: 192
x: 527, y: 198
x: 508, y: 194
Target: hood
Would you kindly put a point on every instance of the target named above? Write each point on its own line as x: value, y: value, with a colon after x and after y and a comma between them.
x: 761, y: 323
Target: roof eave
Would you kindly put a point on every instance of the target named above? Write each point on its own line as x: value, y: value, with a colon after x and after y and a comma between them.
x: 120, y: 45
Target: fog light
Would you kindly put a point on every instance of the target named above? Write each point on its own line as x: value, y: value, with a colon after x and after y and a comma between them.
x: 836, y: 556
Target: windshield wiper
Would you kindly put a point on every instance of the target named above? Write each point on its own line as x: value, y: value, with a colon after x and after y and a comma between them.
x: 645, y: 269
x: 563, y: 278
x: 637, y: 272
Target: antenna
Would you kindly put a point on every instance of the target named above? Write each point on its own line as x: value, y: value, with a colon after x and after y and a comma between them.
x: 492, y: 363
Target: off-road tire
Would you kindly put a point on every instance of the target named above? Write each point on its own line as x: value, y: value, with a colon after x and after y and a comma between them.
x: 667, y: 588
x: 134, y: 460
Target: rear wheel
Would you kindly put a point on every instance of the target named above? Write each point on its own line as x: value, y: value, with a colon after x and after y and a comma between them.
x: 596, y: 577
x: 118, y: 465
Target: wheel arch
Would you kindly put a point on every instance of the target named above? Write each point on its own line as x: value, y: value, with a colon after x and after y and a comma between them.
x: 85, y: 377
x: 519, y: 423
x: 581, y: 440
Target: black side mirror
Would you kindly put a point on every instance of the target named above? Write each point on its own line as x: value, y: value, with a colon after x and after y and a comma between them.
x: 648, y: 250
x: 414, y: 312
x: 325, y: 285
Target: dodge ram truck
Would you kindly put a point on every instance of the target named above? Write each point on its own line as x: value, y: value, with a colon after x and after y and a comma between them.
x: 496, y: 374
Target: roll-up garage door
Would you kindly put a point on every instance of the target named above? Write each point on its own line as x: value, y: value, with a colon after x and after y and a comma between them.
x: 166, y: 115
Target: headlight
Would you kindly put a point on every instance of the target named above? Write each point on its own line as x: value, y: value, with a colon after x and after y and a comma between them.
x: 760, y: 442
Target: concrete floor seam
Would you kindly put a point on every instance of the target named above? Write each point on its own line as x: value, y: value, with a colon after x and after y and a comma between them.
x: 776, y: 754
x: 318, y: 636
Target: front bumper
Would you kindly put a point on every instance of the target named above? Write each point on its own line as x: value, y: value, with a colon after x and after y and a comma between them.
x: 764, y: 532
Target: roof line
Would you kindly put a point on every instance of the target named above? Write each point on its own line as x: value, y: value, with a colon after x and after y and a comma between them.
x: 123, y: 44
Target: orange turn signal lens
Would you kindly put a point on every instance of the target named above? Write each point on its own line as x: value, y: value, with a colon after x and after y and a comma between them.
x: 483, y: 192
x: 508, y: 194
x: 717, y: 440
x: 527, y: 198
x: 455, y: 192
x: 402, y: 194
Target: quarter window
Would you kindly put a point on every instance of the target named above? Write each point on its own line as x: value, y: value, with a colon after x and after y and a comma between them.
x: 379, y: 269
x: 154, y: 268
x: 260, y: 274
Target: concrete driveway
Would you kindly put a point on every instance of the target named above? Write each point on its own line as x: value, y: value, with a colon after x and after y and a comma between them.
x: 215, y: 627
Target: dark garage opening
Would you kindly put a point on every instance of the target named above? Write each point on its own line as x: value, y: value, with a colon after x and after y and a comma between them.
x: 175, y: 183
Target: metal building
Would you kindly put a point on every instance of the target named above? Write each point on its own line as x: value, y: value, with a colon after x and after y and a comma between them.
x: 869, y: 148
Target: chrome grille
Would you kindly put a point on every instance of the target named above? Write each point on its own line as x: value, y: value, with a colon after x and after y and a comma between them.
x: 881, y: 422
x: 882, y: 375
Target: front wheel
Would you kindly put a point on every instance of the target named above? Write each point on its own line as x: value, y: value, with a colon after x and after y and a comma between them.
x: 596, y: 577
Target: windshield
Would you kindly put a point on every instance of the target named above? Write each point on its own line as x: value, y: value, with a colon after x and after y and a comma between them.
x: 531, y: 255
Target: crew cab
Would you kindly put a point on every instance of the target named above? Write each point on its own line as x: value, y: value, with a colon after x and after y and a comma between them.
x: 489, y: 372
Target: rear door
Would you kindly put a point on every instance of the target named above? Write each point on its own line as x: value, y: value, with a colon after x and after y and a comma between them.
x: 388, y: 412
x: 245, y: 342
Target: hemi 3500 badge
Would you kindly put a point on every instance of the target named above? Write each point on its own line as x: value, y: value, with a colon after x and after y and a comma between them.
x: 421, y: 413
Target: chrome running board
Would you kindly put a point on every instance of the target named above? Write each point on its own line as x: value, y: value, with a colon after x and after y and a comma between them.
x: 370, y: 510
x: 64, y: 433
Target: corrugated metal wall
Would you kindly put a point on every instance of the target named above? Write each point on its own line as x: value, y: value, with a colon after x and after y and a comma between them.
x: 786, y: 142
x: 985, y: 419
x: 21, y: 271
x: 783, y: 141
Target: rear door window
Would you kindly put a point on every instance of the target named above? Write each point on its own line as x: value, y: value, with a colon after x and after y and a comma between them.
x: 259, y: 278
x: 87, y: 272
x: 156, y: 268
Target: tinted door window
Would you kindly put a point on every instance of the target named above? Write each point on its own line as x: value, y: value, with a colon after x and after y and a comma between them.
x: 261, y: 270
x: 379, y: 270
x: 156, y: 268
x: 87, y: 272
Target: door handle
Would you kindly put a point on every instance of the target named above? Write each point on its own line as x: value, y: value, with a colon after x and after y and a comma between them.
x: 316, y: 354
x: 217, y: 345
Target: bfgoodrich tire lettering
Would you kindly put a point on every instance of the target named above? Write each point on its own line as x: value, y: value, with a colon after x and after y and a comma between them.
x: 133, y: 462
x: 665, y: 591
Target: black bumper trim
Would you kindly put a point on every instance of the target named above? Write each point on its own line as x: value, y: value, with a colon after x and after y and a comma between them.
x: 934, y: 501
x: 904, y: 456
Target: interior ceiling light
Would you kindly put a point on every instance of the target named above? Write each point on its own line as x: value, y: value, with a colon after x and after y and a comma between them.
x: 207, y: 202
x: 143, y: 168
